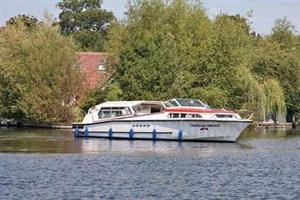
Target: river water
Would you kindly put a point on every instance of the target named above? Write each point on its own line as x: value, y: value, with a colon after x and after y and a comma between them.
x: 51, y: 164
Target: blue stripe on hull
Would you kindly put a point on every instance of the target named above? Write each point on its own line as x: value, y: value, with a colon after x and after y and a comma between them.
x: 216, y: 140
x: 166, y: 136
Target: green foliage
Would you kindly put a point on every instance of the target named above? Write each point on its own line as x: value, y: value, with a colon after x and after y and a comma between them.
x: 161, y: 54
x: 110, y: 93
x: 150, y: 48
x: 161, y: 50
x: 28, y: 21
x: 212, y: 95
x: 252, y: 95
x: 169, y: 49
x: 274, y: 98
x: 283, y: 32
x: 92, y: 98
x: 86, y: 22
x: 38, y: 80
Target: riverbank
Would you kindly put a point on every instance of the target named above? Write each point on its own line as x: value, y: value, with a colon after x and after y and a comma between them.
x: 12, y: 123
x: 266, y: 125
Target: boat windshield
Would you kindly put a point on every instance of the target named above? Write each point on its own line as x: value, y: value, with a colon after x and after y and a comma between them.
x: 186, y: 102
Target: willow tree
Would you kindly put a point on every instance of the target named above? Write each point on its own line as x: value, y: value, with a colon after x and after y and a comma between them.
x: 274, y: 103
x: 285, y: 37
x: 38, y: 81
x: 271, y: 61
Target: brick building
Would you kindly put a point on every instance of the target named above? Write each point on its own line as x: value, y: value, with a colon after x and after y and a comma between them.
x: 93, y: 65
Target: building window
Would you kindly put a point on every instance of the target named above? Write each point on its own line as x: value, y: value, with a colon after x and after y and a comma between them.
x: 77, y: 66
x: 102, y: 67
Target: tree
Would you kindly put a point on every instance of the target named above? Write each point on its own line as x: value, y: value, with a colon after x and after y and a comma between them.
x: 38, y: 80
x: 167, y: 49
x: 283, y: 32
x: 86, y: 22
x: 27, y: 20
x: 156, y: 44
x: 277, y: 57
x: 165, y: 55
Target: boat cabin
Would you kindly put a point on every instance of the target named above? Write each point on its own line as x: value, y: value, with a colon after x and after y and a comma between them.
x: 116, y: 109
x: 174, y: 108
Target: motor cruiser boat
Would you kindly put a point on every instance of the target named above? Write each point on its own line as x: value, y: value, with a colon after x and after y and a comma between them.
x: 176, y: 119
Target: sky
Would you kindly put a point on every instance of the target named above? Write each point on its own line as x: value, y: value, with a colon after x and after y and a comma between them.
x: 265, y: 12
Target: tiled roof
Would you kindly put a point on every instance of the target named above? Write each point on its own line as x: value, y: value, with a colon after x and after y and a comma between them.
x: 89, y: 65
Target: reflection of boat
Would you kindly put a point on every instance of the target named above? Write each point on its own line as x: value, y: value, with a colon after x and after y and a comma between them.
x: 176, y: 119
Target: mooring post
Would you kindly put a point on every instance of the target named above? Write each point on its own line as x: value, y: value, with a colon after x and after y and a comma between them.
x: 131, y: 134
x: 154, y: 133
x: 86, y: 132
x: 180, y: 135
x: 110, y: 133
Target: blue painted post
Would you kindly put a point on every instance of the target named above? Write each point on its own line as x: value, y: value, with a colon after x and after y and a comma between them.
x: 180, y: 135
x: 110, y: 133
x: 131, y: 134
x: 154, y: 133
x: 86, y: 132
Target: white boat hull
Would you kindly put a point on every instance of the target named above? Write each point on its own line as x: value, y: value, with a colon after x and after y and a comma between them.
x: 171, y: 129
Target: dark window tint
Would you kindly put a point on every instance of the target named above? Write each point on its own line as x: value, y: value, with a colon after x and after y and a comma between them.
x: 224, y: 116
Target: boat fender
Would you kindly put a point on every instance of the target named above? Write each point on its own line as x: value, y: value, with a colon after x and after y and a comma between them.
x: 110, y: 133
x: 86, y: 132
x: 180, y: 135
x: 76, y: 132
x: 154, y: 133
x: 131, y: 134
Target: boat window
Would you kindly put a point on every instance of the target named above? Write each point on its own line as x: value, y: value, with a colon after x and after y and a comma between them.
x: 109, y: 112
x: 175, y: 115
x: 183, y: 115
x: 197, y: 116
x: 155, y: 109
x: 144, y: 109
x: 104, y: 114
x: 190, y: 102
x: 172, y: 102
x: 225, y: 116
x: 189, y: 115
x: 168, y: 104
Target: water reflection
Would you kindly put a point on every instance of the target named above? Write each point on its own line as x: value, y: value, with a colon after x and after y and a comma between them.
x: 35, y: 140
x: 62, y: 141
x: 94, y: 145
x: 269, y: 133
x: 272, y: 139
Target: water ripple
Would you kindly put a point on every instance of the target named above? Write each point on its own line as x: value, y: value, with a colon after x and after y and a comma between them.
x: 261, y: 167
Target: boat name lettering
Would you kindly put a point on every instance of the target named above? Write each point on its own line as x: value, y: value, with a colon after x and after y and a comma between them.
x: 204, y: 125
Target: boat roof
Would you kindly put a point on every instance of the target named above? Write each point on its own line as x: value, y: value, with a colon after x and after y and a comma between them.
x: 127, y: 103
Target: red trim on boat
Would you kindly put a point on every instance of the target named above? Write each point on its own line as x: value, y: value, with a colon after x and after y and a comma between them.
x: 195, y: 110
